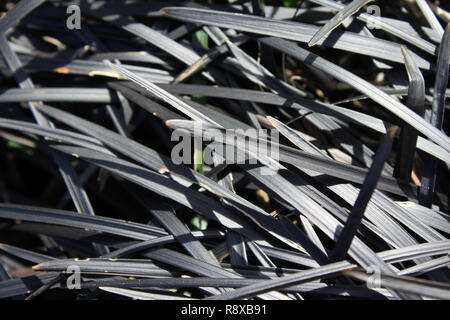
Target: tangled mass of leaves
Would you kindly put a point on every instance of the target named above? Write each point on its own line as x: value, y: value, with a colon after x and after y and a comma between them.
x: 353, y: 205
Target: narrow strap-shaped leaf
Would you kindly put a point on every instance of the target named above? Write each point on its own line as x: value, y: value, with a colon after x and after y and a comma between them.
x: 24, y: 254
x: 139, y: 56
x: 139, y: 295
x: 60, y: 217
x: 185, y: 262
x: 145, y: 103
x: 79, y: 95
x: 260, y: 254
x: 165, y: 214
x: 363, y: 86
x: 437, y: 117
x: 57, y: 134
x: 385, y: 25
x: 430, y: 16
x: 408, y: 136
x: 24, y: 285
x: 435, y: 219
x: 412, y: 252
x: 20, y: 10
x: 4, y: 274
x: 91, y: 68
x: 236, y: 247
x: 162, y: 94
x: 45, y: 287
x: 306, y: 242
x: 195, y: 282
x: 406, y: 284
x: 148, y: 244
x: 357, y: 213
x: 349, y: 10
x: 302, y: 32
x: 283, y: 282
x: 141, y: 267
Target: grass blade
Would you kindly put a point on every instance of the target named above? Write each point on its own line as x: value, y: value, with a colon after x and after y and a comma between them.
x: 349, y: 10
x: 354, y: 220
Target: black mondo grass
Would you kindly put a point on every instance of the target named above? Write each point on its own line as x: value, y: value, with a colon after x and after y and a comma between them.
x: 223, y: 150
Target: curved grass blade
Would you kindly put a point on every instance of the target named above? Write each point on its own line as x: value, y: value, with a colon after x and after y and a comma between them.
x: 349, y: 10
x: 385, y: 25
x: 128, y: 267
x: 408, y: 136
x: 437, y: 117
x: 185, y: 262
x: 430, y: 17
x: 57, y: 134
x: 148, y: 244
x: 425, y: 267
x: 302, y: 32
x: 67, y: 218
x: 417, y: 251
x: 283, y: 282
x: 407, y: 284
x: 162, y: 94
x: 25, y: 285
x: 45, y: 287
x: 312, y: 287
x: 90, y: 68
x: 24, y: 254
x: 140, y: 267
x: 236, y: 247
x: 262, y: 257
x: 363, y: 86
x: 78, y: 95
x: 357, y: 213
x: 145, y: 103
x: 139, y: 295
x: 71, y: 180
x: 20, y: 10
x: 165, y: 214
x: 435, y: 219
